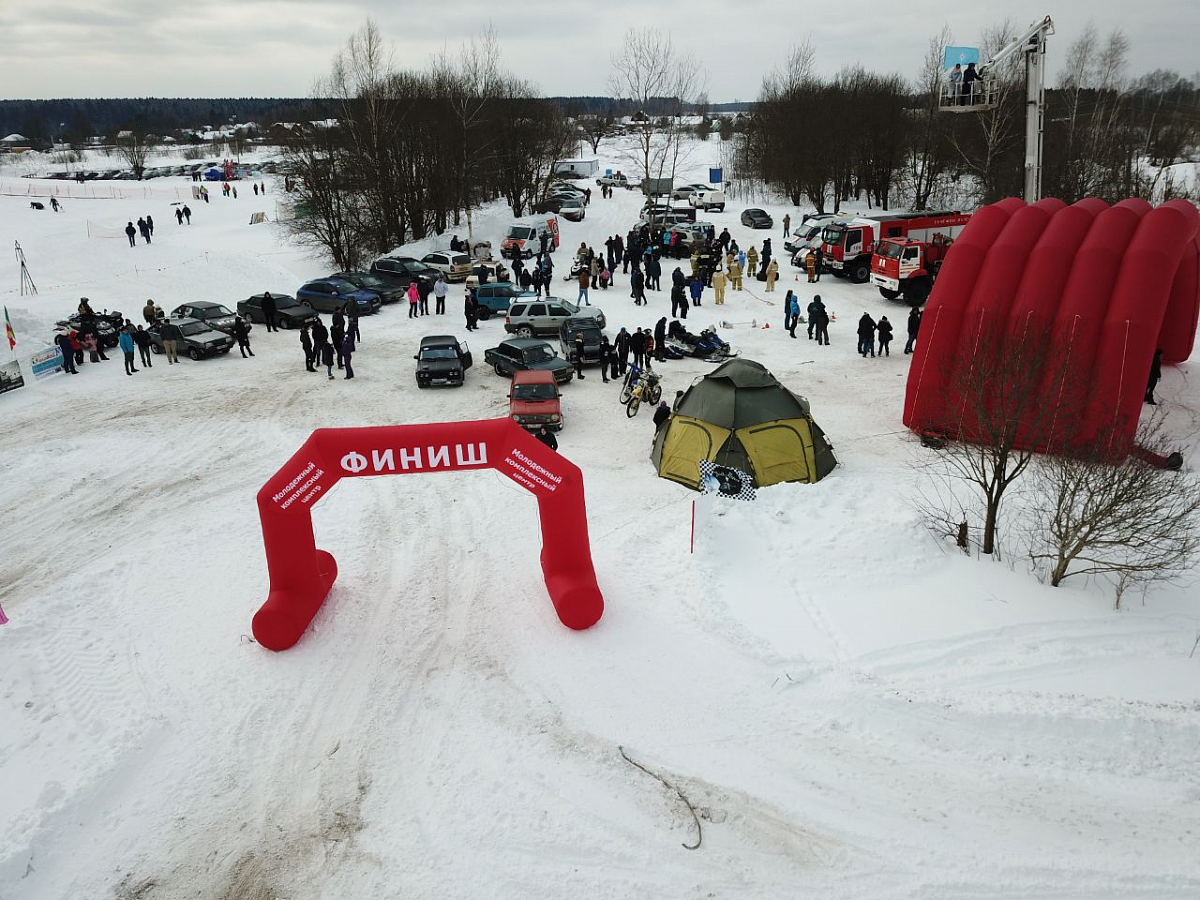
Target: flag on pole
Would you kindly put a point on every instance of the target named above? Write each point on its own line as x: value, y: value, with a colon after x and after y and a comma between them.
x: 12, y: 337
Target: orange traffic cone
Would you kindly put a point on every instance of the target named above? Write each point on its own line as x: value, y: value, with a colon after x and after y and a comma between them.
x: 767, y: 325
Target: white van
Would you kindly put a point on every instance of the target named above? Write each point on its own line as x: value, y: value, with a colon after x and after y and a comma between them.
x: 807, y: 236
x: 524, y: 237
x: 707, y: 200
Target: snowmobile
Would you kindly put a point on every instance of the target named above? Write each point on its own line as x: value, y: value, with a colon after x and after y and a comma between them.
x: 706, y: 345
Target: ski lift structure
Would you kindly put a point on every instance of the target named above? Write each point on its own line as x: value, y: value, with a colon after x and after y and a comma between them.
x: 984, y: 94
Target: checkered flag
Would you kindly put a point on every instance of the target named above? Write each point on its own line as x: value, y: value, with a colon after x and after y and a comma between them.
x: 724, y: 481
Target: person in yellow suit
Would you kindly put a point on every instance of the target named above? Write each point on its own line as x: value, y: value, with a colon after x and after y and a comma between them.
x: 810, y: 265
x: 718, y: 283
x: 752, y: 262
x: 735, y: 275
x: 772, y: 274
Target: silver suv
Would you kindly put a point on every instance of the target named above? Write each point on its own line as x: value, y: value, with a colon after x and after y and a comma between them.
x: 530, y: 317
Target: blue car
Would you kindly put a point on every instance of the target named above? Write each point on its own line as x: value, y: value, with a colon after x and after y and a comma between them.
x: 328, y: 294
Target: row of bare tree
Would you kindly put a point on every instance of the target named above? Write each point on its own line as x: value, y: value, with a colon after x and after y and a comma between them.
x: 1094, y: 504
x: 411, y: 152
x: 880, y: 138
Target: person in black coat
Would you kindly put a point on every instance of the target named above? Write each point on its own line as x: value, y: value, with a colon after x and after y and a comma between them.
x: 471, y: 311
x: 606, y: 359
x: 577, y: 354
x: 131, y: 233
x: 1155, y: 375
x: 241, y: 333
x: 307, y: 344
x: 914, y: 325
x: 337, y: 334
x: 679, y: 302
x: 637, y: 282
x: 637, y: 345
x: 621, y: 353
x: 660, y: 338
x: 546, y: 436
x: 866, y: 335
x: 885, y: 335
x: 141, y: 337
x: 320, y: 336
x: 818, y: 315
x: 661, y: 414
x: 68, y: 352
x: 270, y: 313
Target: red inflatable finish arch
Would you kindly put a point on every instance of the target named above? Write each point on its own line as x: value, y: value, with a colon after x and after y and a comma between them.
x: 301, y: 575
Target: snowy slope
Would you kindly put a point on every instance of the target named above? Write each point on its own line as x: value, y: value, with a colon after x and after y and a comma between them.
x: 854, y: 711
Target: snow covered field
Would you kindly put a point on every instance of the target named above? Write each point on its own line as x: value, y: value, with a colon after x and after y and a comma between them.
x: 853, y: 710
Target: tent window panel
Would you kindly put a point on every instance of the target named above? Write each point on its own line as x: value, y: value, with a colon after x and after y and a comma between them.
x: 779, y: 452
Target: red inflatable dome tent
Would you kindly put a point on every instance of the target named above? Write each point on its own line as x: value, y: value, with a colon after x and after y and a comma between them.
x: 1106, y: 285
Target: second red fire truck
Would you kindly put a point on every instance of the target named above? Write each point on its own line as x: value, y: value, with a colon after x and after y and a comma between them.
x: 848, y: 244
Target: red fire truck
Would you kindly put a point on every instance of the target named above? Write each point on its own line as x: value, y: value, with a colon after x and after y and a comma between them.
x: 907, y: 266
x: 847, y: 244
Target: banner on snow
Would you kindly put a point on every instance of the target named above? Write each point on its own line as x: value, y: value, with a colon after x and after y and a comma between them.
x: 46, y: 362
x: 724, y: 481
x: 11, y: 377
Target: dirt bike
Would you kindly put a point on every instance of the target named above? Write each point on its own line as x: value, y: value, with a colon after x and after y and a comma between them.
x: 640, y: 384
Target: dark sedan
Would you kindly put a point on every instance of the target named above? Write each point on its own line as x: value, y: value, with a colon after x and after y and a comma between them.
x: 197, y: 339
x: 214, y: 315
x: 757, y: 218
x: 288, y: 312
x: 332, y: 294
x: 365, y: 281
x: 401, y: 270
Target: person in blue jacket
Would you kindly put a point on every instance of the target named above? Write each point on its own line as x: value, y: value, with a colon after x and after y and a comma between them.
x: 127, y: 347
x: 793, y: 311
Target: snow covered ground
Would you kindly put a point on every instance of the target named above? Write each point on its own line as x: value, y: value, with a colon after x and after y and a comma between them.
x: 853, y: 710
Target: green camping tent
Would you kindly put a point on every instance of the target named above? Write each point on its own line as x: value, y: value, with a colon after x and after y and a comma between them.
x: 740, y: 416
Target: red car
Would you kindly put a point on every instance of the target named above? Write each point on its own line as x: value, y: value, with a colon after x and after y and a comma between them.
x: 535, y: 401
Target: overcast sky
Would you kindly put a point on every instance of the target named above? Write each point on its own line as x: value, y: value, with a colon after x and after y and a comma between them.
x: 260, y: 48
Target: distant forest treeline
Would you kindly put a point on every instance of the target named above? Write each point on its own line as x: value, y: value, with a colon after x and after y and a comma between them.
x: 77, y: 120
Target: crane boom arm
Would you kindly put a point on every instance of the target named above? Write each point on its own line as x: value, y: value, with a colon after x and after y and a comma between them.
x: 1028, y: 41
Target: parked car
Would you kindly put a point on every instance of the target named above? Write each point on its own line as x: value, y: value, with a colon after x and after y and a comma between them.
x: 525, y: 237
x: 529, y: 317
x: 198, y: 340
x: 662, y: 214
x: 365, y: 281
x: 565, y: 187
x: 807, y: 236
x: 757, y: 218
x: 535, y: 400
x: 685, y: 191
x: 289, y: 313
x: 518, y: 354
x: 496, y: 272
x: 442, y: 359
x: 401, y: 270
x: 455, y: 266
x: 591, y: 339
x: 708, y: 200
x: 214, y: 315
x: 572, y: 209
x: 494, y: 298
x: 616, y: 179
x: 330, y: 294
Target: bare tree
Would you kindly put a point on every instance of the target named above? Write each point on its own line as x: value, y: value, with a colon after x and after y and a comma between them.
x: 655, y: 79
x: 929, y: 157
x: 994, y: 414
x: 133, y: 148
x: 594, y: 129
x: 992, y: 154
x: 326, y: 202
x: 1126, y: 518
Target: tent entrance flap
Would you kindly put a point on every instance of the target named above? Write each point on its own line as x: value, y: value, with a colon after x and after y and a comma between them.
x: 779, y: 452
x: 689, y: 441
